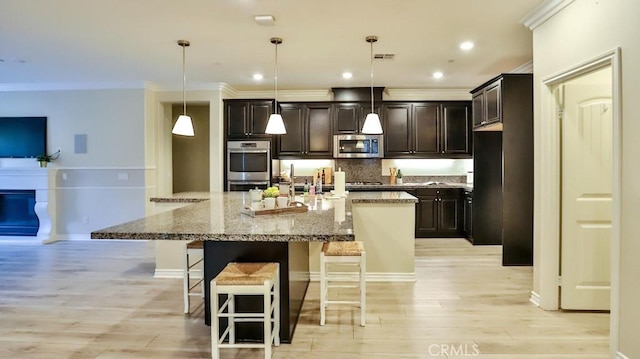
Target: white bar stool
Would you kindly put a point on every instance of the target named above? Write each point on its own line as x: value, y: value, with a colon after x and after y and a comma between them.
x: 246, y: 279
x: 193, y: 249
x: 344, y: 253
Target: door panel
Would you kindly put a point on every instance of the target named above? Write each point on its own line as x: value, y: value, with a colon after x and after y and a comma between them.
x: 425, y: 118
x: 319, y: 130
x: 449, y: 214
x: 236, y: 118
x: 456, y: 129
x: 397, y: 131
x: 259, y: 116
x: 291, y: 142
x: 428, y: 209
x: 587, y: 171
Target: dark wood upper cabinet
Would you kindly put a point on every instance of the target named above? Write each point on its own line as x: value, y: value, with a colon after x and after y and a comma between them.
x: 487, y: 104
x: 398, y: 129
x: 456, y: 129
x: 349, y: 116
x: 309, y: 131
x: 427, y: 130
x: 247, y: 118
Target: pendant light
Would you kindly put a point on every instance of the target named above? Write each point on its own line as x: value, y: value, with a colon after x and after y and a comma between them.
x: 275, y: 125
x: 372, y: 121
x: 183, y: 126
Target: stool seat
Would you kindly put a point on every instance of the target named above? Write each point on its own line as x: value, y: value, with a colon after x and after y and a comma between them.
x: 343, y: 248
x: 247, y: 273
x: 195, y: 245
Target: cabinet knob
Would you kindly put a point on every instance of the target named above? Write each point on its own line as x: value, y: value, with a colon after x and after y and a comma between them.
x: 442, y: 152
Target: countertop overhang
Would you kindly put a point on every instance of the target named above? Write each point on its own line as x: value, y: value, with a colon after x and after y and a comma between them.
x: 216, y: 216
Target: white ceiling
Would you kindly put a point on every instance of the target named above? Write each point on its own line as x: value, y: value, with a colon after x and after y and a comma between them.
x: 130, y: 41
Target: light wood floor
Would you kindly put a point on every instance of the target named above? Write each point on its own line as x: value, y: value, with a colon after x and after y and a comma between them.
x: 97, y: 299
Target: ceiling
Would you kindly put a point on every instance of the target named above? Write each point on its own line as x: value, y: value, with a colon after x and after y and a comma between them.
x: 99, y: 42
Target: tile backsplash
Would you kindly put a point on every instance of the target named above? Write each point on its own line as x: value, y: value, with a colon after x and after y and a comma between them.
x: 377, y: 170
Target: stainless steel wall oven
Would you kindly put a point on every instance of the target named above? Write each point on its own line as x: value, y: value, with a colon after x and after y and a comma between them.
x: 248, y: 165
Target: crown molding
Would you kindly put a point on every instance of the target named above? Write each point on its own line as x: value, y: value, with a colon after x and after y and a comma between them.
x: 526, y: 68
x: 288, y: 95
x: 544, y: 12
x: 65, y: 86
x: 427, y: 94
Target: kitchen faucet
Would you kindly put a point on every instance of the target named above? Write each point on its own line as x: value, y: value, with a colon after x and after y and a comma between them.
x: 292, y: 188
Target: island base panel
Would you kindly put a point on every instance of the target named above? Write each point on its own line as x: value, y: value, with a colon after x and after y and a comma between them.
x: 294, y: 280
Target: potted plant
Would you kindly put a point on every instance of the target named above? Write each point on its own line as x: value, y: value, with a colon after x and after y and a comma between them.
x: 270, y: 195
x: 45, y: 158
x: 399, y: 177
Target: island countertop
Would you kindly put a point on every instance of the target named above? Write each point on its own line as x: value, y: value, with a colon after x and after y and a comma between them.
x: 216, y: 216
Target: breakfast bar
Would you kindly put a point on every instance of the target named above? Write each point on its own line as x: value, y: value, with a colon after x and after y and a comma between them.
x: 284, y: 238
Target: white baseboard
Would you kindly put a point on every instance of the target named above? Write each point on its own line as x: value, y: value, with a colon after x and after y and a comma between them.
x: 377, y: 277
x: 175, y: 273
x: 535, y: 299
x: 621, y: 356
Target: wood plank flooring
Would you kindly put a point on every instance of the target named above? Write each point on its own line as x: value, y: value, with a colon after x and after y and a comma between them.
x: 97, y: 299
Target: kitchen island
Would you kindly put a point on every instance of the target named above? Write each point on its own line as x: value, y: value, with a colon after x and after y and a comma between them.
x: 283, y: 238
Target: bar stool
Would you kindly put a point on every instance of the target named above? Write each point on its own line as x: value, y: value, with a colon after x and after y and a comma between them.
x: 343, y: 253
x: 193, y: 249
x: 246, y: 279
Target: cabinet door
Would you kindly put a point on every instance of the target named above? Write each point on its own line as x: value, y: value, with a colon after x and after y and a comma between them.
x: 259, y: 113
x: 236, y: 119
x: 292, y: 144
x: 492, y: 101
x: 397, y: 130
x: 450, y: 219
x: 478, y: 109
x: 468, y: 217
x: 426, y: 129
x: 318, y: 135
x: 456, y: 129
x: 427, y: 221
x: 347, y: 118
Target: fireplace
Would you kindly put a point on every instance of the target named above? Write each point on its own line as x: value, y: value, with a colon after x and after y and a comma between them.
x: 17, y: 214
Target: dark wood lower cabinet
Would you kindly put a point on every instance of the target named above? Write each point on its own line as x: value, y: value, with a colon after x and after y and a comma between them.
x: 468, y: 215
x: 439, y: 212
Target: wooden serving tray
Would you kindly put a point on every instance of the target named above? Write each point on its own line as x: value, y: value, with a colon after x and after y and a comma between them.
x: 294, y: 207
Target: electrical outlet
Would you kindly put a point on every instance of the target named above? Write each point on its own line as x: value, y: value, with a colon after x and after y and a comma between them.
x: 85, y: 220
x: 64, y: 176
x: 123, y: 176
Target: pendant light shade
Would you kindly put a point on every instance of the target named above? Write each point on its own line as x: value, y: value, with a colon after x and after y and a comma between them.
x: 275, y: 125
x: 372, y: 121
x: 183, y: 125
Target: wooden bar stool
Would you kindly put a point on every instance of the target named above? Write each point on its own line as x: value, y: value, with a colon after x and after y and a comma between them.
x: 193, y: 249
x: 343, y: 253
x: 246, y: 279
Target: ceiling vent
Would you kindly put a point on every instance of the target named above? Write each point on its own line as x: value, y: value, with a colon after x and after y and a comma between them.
x: 384, y: 56
x: 265, y: 20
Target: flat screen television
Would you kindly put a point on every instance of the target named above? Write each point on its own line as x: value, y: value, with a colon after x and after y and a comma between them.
x: 23, y: 137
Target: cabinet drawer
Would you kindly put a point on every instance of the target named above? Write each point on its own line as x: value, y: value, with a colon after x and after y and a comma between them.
x: 438, y: 192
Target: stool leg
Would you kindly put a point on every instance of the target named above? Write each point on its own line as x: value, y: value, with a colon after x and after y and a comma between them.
x: 232, y: 319
x: 363, y: 287
x: 185, y: 280
x: 215, y: 336
x: 267, y: 319
x: 276, y: 309
x: 323, y: 287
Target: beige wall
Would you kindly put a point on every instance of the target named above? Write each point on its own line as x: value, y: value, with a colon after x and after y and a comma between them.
x: 191, y: 154
x: 583, y: 30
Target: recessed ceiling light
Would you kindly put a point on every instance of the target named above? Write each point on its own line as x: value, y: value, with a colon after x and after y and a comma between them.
x: 257, y: 77
x: 438, y: 75
x: 265, y: 20
x: 347, y: 75
x: 467, y: 45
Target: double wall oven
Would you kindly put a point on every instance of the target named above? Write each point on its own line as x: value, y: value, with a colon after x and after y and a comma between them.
x: 248, y: 165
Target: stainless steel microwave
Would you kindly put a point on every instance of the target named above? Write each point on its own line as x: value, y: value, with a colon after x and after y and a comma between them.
x: 358, y: 146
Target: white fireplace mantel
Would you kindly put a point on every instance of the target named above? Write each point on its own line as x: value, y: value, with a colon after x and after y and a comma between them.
x: 42, y: 181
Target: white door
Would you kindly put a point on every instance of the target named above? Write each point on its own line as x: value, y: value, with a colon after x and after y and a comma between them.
x: 587, y: 171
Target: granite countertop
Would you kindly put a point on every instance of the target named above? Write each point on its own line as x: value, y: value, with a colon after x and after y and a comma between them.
x: 219, y: 218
